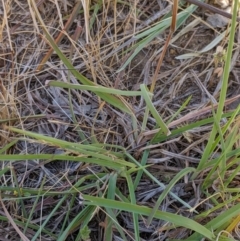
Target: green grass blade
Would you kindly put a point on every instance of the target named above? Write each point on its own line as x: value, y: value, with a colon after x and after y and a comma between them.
x: 210, y: 46
x: 111, y: 218
x: 182, y: 173
x: 6, y: 147
x: 141, y: 210
x: 19, y: 194
x: 95, y: 89
x: 234, y: 173
x: 67, y: 216
x: 220, y: 165
x: 156, y: 181
x: 77, y: 221
x: 111, y: 163
x: 153, y: 110
x: 159, y: 137
x: 48, y: 218
x: 34, y: 206
x: 108, y: 234
x: 32, y: 226
x: 182, y: 107
x: 140, y: 172
x: 133, y: 201
x: 3, y: 171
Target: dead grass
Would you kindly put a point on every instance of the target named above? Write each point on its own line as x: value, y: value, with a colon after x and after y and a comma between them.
x: 107, y: 31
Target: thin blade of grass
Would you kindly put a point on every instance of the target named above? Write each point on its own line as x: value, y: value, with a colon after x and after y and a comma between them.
x: 133, y: 201
x: 156, y: 181
x: 82, y: 150
x: 67, y: 215
x: 234, y: 173
x: 32, y: 226
x: 9, y: 145
x: 140, y: 172
x: 58, y: 205
x: 61, y: 34
x: 108, y: 234
x: 169, y: 217
x: 182, y: 107
x: 181, y: 174
x: 19, y: 193
x: 111, y: 218
x: 111, y: 163
x: 77, y: 221
x: 3, y: 171
x: 95, y: 89
x: 224, y: 129
x: 153, y: 110
x: 210, y: 46
x: 220, y: 165
x: 159, y: 137
x: 34, y: 206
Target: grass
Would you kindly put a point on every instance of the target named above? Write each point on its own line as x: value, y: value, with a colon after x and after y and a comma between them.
x: 94, y: 147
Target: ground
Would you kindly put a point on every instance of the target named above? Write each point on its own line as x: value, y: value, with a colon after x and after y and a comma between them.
x: 98, y: 38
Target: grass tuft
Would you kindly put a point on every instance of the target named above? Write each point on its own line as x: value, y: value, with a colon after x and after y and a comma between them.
x: 119, y: 121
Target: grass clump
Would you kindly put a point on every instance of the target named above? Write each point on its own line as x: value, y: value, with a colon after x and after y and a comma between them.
x: 89, y: 152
